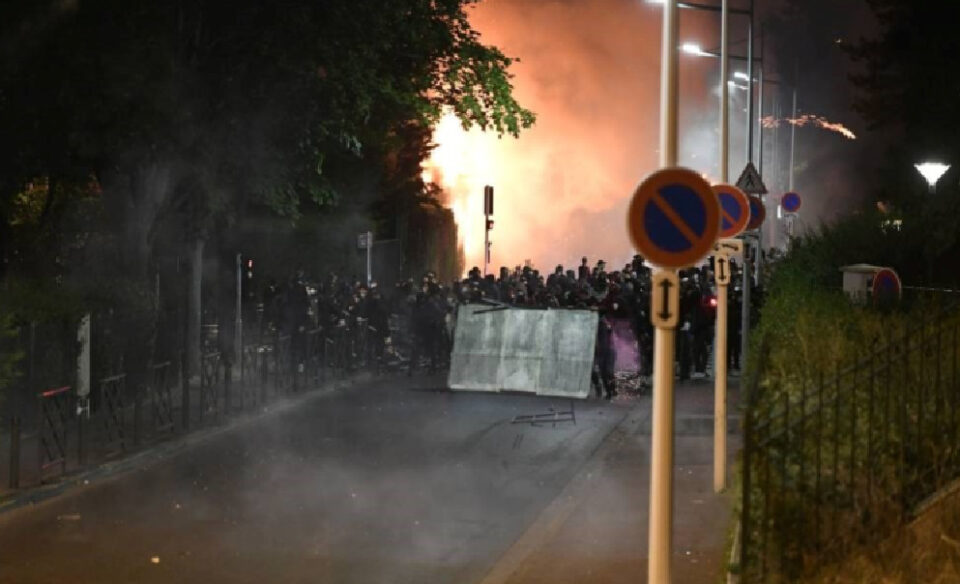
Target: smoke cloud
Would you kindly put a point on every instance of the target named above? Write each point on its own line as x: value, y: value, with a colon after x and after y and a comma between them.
x: 591, y: 72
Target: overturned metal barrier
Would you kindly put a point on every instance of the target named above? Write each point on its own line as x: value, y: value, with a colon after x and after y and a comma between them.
x: 546, y: 352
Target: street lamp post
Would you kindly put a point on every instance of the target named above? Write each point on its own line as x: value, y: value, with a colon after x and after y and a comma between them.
x: 932, y: 171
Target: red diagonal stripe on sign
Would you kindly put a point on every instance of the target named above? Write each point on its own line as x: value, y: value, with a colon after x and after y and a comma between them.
x: 677, y: 220
x: 727, y: 216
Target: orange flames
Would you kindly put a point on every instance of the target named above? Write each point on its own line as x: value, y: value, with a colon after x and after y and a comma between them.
x: 458, y: 164
x: 590, y: 71
x: 819, y: 121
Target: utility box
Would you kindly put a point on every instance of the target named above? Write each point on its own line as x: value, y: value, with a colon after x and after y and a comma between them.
x: 858, y: 281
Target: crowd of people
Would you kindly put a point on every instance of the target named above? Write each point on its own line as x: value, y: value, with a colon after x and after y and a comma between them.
x: 413, y: 322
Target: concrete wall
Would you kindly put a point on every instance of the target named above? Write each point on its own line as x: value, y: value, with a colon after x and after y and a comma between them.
x: 547, y: 352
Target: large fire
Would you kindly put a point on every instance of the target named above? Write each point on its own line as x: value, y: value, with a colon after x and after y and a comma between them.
x: 459, y: 164
x: 590, y: 71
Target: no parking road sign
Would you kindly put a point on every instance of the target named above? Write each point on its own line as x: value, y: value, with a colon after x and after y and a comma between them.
x: 734, y: 210
x: 757, y: 213
x: 790, y: 202
x: 674, y: 218
x: 886, y: 286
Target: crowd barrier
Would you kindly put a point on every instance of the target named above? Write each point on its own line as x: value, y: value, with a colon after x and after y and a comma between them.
x: 546, y: 352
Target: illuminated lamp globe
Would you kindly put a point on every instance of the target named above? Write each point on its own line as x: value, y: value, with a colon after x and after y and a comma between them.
x: 932, y: 171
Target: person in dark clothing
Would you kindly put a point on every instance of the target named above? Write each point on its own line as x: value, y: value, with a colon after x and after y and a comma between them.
x: 702, y: 327
x: 427, y: 324
x: 689, y: 304
x: 583, y: 273
x: 603, y: 375
x: 378, y: 319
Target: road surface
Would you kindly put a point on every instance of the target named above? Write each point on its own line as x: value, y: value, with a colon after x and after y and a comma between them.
x: 382, y: 483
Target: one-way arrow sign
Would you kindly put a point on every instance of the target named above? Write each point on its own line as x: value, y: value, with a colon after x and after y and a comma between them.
x: 721, y: 266
x: 750, y: 181
x: 665, y: 299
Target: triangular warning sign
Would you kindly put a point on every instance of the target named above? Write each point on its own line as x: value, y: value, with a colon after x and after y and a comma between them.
x: 750, y: 181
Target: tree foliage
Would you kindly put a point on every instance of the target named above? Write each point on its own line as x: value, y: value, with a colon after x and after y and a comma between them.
x: 199, y: 109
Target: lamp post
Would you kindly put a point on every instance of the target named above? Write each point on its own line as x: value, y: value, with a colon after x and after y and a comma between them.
x: 932, y: 171
x: 725, y: 11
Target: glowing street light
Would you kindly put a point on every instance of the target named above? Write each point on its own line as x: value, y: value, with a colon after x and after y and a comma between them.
x: 932, y: 171
x: 694, y: 49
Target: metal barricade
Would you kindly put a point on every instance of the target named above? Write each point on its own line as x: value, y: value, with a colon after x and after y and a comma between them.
x: 112, y: 414
x: 54, y: 418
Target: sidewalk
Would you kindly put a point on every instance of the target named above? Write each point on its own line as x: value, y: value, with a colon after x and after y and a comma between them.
x: 596, y: 529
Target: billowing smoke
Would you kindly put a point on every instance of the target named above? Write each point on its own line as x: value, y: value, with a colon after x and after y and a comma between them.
x: 591, y: 72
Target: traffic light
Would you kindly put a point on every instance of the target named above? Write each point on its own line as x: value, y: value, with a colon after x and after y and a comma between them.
x: 488, y: 200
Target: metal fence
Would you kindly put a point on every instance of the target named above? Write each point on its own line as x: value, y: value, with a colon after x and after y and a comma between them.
x: 842, y: 458
x: 68, y: 434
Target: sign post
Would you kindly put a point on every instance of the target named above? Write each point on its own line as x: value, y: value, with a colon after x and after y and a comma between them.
x: 487, y: 226
x: 365, y: 241
x: 673, y: 221
x: 751, y: 184
x: 735, y: 212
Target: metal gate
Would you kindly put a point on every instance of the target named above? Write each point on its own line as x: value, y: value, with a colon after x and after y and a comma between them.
x: 161, y: 398
x: 250, y: 375
x: 313, y: 359
x: 54, y: 418
x: 112, y: 419
x: 209, y: 385
x: 282, y: 375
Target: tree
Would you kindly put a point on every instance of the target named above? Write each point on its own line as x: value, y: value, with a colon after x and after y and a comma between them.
x: 232, y: 103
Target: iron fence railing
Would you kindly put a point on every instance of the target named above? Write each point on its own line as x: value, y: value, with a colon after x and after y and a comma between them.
x: 839, y: 459
x: 68, y: 433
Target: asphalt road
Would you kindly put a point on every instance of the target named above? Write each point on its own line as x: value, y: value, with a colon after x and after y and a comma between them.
x: 362, y: 485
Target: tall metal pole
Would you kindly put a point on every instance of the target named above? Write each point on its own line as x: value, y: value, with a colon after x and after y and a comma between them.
x: 760, y: 108
x: 369, y: 257
x: 760, y: 137
x: 660, y: 542
x: 724, y: 92
x: 720, y: 393
x: 747, y: 278
x: 238, y: 333
x: 793, y: 133
x: 750, y: 118
x: 486, y: 244
x: 720, y: 352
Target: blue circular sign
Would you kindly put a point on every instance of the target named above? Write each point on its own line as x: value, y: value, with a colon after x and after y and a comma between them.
x: 790, y: 202
x: 674, y: 218
x: 734, y: 210
x: 757, y: 213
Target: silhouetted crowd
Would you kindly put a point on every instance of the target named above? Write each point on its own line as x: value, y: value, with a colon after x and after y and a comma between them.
x: 411, y: 324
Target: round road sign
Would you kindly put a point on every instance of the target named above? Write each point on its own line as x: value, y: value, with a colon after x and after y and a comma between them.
x: 886, y: 286
x: 757, y: 213
x: 673, y: 218
x: 734, y: 210
x: 790, y: 202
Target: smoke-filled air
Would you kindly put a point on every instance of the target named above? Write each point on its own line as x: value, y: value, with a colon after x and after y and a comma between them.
x: 590, y: 71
